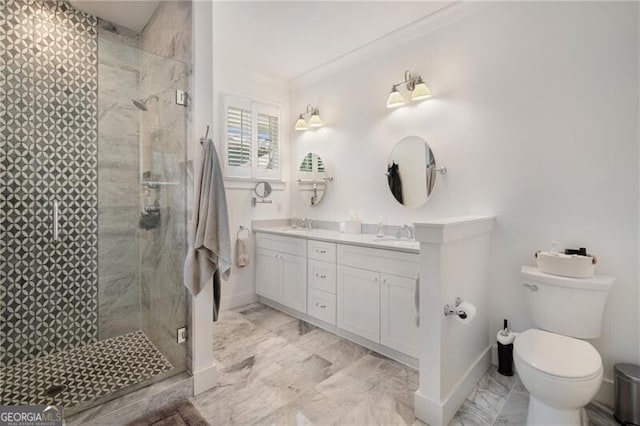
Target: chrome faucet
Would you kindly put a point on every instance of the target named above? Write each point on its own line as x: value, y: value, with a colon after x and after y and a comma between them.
x: 307, y: 223
x: 401, y: 231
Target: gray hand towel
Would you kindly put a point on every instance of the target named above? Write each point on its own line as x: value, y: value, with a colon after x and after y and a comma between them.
x: 210, y: 253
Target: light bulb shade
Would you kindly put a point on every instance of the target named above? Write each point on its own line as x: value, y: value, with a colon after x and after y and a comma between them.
x: 420, y: 92
x: 301, y: 124
x: 315, y: 120
x: 395, y: 99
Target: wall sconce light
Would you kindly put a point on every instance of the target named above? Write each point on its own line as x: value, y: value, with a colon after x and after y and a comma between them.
x: 314, y: 119
x: 414, y: 84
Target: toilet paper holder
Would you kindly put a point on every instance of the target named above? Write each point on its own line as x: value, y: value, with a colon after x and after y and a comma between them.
x: 448, y: 310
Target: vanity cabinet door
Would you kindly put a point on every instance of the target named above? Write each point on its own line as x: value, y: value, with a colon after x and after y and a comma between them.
x: 268, y: 272
x: 398, y: 328
x: 294, y: 282
x: 358, y: 300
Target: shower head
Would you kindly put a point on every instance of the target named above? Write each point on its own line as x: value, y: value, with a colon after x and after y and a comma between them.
x: 141, y: 104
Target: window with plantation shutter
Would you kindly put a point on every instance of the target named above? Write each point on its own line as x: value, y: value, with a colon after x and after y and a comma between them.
x: 239, y: 137
x: 252, y: 134
x: 267, y: 142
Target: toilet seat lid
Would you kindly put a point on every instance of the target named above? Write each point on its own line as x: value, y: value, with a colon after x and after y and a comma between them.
x: 557, y: 355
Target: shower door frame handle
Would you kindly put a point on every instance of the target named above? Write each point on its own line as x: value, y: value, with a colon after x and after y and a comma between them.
x: 56, y: 220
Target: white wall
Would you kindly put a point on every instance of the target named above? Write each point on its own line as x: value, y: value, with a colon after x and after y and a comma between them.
x: 536, y: 116
x: 240, y: 288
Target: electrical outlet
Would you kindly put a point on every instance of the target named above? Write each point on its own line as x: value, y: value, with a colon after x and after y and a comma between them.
x: 181, y: 97
x: 181, y: 335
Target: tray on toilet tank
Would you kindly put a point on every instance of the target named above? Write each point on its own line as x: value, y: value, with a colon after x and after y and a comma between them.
x: 566, y: 265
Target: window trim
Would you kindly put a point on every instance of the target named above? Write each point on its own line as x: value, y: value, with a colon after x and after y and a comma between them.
x: 252, y: 173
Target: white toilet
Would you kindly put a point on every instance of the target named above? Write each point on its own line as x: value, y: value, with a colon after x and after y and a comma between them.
x: 561, y: 372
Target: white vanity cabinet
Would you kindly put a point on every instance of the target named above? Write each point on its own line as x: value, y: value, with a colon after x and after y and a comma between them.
x: 375, y: 296
x: 398, y: 327
x: 362, y: 291
x: 359, y: 302
x: 321, y: 279
x: 268, y: 273
x: 281, y: 270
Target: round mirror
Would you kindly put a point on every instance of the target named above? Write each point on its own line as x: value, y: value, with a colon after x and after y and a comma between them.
x: 411, y: 171
x: 312, y: 179
x: 262, y: 189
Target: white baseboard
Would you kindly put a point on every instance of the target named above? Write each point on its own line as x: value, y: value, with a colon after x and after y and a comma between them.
x: 204, y: 380
x: 440, y: 413
x: 427, y: 410
x: 236, y: 300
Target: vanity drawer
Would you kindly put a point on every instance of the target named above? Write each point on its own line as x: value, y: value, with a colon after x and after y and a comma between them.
x: 322, y: 305
x: 321, y: 250
x: 295, y: 246
x: 388, y: 261
x: 322, y: 275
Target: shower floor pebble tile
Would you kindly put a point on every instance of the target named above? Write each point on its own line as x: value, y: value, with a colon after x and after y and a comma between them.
x: 88, y: 372
x: 278, y: 370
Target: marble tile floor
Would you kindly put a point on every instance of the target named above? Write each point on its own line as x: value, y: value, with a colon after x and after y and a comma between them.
x: 278, y: 370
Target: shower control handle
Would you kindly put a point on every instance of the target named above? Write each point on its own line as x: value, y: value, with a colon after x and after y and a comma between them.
x: 56, y: 221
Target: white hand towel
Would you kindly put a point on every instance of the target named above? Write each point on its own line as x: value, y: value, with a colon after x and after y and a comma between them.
x: 243, y: 246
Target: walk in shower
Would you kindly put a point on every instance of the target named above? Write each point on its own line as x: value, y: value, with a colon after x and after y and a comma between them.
x: 93, y: 194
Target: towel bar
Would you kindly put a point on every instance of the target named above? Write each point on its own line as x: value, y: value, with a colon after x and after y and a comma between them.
x: 242, y: 228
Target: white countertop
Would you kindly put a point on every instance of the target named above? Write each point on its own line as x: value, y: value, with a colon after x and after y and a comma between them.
x: 388, y: 242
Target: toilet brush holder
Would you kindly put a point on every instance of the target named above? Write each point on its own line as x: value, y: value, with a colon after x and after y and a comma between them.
x: 505, y: 359
x: 505, y: 339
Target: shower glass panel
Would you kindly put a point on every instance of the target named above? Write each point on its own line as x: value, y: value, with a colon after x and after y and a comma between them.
x: 93, y: 187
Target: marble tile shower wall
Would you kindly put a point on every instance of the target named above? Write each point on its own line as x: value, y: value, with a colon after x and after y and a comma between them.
x: 119, y: 181
x: 165, y: 67
x: 48, y: 96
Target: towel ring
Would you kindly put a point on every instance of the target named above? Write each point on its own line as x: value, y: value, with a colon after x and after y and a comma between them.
x: 242, y: 228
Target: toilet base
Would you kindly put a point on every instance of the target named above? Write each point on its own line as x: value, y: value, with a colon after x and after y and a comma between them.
x: 541, y: 414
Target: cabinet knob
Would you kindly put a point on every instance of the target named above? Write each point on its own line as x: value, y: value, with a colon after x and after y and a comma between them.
x: 321, y: 305
x: 375, y: 278
x: 321, y: 251
x: 321, y: 276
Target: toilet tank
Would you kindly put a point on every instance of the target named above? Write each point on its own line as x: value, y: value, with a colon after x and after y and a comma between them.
x: 568, y: 306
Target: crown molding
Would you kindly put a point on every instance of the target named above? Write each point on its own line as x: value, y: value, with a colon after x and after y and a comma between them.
x: 423, y: 26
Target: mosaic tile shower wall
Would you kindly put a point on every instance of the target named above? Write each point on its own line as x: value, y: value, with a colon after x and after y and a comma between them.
x: 48, y: 125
